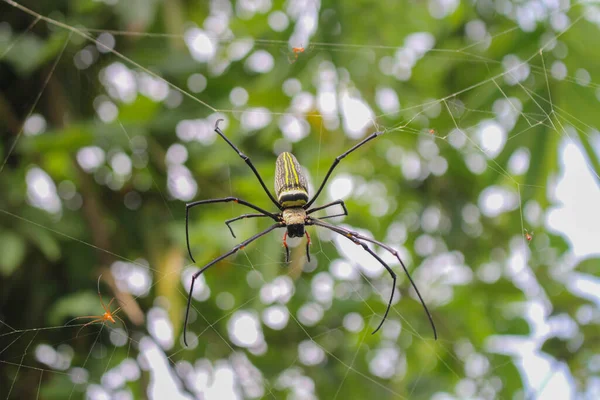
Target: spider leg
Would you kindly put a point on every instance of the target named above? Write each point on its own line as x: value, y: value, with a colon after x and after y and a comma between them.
x: 82, y: 317
x: 100, y: 296
x: 123, y: 322
x: 89, y: 323
x: 352, y: 236
x: 221, y: 200
x: 115, y: 311
x: 336, y: 162
x: 286, y: 53
x: 107, y: 306
x: 93, y: 322
x: 372, y: 253
x: 109, y: 303
x: 287, y: 250
x: 333, y: 216
x: 213, y: 262
x: 229, y: 221
x: 247, y: 161
x: 307, y: 245
x: 333, y: 203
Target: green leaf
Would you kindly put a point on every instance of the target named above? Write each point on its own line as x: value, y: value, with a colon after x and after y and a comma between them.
x: 24, y: 56
x: 30, y: 52
x: 590, y: 266
x: 12, y: 250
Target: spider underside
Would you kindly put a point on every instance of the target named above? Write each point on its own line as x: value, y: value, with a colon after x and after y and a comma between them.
x: 291, y: 189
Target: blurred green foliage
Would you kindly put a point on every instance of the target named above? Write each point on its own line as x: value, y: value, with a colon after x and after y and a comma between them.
x: 49, y: 264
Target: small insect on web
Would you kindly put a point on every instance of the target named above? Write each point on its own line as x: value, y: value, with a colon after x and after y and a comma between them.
x: 291, y: 189
x: 108, y: 316
x: 528, y: 236
x: 292, y: 55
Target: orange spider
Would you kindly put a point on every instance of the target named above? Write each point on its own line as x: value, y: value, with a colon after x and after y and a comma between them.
x: 107, y: 316
x: 432, y: 131
x: 528, y: 236
x: 293, y: 56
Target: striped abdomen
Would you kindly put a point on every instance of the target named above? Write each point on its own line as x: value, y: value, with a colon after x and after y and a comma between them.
x: 291, y: 187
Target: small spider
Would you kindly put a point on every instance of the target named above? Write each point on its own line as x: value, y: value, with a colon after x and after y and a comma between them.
x: 528, y: 236
x: 296, y: 51
x: 108, y: 316
x: 432, y: 131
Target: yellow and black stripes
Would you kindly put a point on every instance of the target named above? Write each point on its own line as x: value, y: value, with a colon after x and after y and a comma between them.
x: 291, y: 187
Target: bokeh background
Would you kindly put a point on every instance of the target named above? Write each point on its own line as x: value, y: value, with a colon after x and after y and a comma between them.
x: 485, y: 180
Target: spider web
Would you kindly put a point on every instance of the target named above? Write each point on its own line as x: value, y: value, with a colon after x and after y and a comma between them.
x: 295, y: 299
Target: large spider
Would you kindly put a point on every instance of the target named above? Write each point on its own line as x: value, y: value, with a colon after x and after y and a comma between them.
x: 292, y: 200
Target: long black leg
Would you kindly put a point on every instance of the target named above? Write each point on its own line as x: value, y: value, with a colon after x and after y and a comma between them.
x: 336, y: 162
x: 229, y: 221
x: 332, y: 216
x: 333, y: 203
x: 354, y: 235
x: 371, y: 252
x: 216, y: 260
x: 247, y: 161
x: 222, y: 200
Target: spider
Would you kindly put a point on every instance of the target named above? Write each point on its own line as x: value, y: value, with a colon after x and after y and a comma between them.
x: 291, y: 189
x: 294, y: 53
x: 108, y: 316
x: 528, y: 236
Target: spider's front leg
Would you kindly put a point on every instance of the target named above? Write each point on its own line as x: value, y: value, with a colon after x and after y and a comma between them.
x: 248, y: 162
x: 336, y: 162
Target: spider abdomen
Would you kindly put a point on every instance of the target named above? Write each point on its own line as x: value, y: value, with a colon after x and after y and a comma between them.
x: 291, y: 186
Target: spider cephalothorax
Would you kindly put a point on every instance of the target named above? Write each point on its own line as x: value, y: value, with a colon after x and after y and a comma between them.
x: 295, y: 219
x: 291, y: 189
